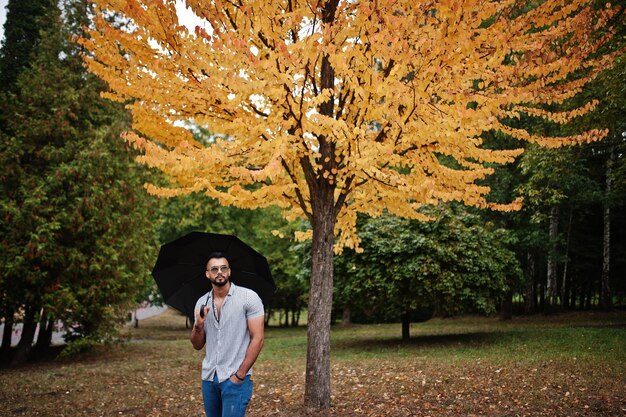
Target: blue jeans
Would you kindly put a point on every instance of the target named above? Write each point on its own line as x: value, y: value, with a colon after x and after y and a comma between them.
x: 226, y: 399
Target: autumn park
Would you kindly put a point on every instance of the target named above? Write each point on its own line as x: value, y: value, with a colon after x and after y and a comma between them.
x: 436, y: 191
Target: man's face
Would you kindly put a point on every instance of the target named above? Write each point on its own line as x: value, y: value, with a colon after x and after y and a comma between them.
x: 218, y: 271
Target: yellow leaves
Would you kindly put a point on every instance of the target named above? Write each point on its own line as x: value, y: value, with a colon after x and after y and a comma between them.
x: 153, y: 125
x: 136, y: 141
x: 591, y: 135
x: 559, y: 117
x: 303, y: 236
x: 165, y: 192
x: 515, y: 205
x: 407, y: 85
x: 278, y: 233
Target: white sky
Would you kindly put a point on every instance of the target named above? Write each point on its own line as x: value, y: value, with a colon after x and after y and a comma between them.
x: 186, y: 16
x: 3, y: 16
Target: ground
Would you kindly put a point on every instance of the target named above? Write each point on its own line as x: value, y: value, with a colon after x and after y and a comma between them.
x: 565, y: 365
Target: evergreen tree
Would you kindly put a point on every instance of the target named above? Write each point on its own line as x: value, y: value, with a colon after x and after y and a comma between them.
x: 76, y: 232
x: 21, y: 38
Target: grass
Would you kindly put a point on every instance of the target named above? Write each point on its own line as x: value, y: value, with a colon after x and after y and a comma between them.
x: 570, y: 364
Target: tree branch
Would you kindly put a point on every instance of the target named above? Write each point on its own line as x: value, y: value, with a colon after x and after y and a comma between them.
x: 299, y: 195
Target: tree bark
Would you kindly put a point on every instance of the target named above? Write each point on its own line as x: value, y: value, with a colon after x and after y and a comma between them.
x: 346, y: 317
x: 564, y: 286
x: 550, y: 290
x: 406, y: 326
x: 28, y: 335
x: 317, y: 390
x: 583, y: 294
x: 506, y: 307
x: 323, y: 216
x: 605, y: 286
x: 531, y: 296
x: 44, y: 337
x: 7, y: 334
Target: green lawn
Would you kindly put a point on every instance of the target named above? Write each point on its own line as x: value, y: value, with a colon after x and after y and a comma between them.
x: 570, y: 364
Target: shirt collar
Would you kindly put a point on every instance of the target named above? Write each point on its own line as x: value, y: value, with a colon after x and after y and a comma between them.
x: 231, y: 290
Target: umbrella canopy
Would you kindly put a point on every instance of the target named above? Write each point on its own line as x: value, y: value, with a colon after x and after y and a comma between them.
x: 180, y: 269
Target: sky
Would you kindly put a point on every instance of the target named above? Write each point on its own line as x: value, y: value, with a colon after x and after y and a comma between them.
x: 186, y: 16
x: 3, y: 16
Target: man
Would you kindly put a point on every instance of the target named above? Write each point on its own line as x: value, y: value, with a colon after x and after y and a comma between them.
x: 229, y: 321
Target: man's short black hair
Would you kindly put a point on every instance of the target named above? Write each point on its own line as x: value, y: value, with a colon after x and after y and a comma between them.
x: 217, y: 254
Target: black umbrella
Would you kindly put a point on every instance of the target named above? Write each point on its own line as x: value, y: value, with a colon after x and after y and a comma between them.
x: 180, y: 269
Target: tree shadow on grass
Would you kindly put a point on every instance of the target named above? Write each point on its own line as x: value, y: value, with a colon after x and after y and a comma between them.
x: 463, y: 340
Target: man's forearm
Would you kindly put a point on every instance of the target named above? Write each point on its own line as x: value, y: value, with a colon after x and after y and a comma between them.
x: 197, y: 337
x: 252, y: 353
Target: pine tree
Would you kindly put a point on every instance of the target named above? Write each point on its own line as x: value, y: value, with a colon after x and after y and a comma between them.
x: 76, y: 233
x: 21, y: 38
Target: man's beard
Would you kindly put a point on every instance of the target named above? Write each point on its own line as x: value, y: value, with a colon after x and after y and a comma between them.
x: 221, y: 283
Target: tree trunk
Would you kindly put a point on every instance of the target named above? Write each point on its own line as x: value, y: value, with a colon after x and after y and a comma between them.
x: 589, y: 296
x: 26, y: 340
x: 583, y: 294
x: 550, y: 290
x: 573, y: 295
x: 564, y: 286
x: 346, y: 317
x: 296, y: 318
x: 406, y: 326
x: 317, y: 390
x: 506, y: 307
x: 44, y: 338
x: 605, y: 287
x: 323, y: 217
x: 7, y: 334
x: 531, y: 296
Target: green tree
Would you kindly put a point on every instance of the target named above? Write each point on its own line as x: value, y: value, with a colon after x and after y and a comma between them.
x: 610, y: 91
x: 21, y: 38
x: 451, y: 265
x: 562, y: 246
x: 558, y: 184
x: 76, y: 227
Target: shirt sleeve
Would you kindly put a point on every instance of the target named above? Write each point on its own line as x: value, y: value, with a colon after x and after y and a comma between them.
x: 254, y: 305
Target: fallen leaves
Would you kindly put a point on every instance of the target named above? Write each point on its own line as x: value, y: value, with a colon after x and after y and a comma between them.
x: 158, y: 375
x: 409, y: 387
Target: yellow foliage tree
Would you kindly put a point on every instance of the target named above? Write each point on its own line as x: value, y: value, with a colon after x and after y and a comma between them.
x: 333, y: 107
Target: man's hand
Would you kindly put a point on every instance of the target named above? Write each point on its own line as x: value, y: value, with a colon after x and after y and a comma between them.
x: 235, y: 380
x: 201, y: 315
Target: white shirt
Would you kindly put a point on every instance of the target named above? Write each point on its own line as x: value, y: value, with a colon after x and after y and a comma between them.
x: 228, y: 339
